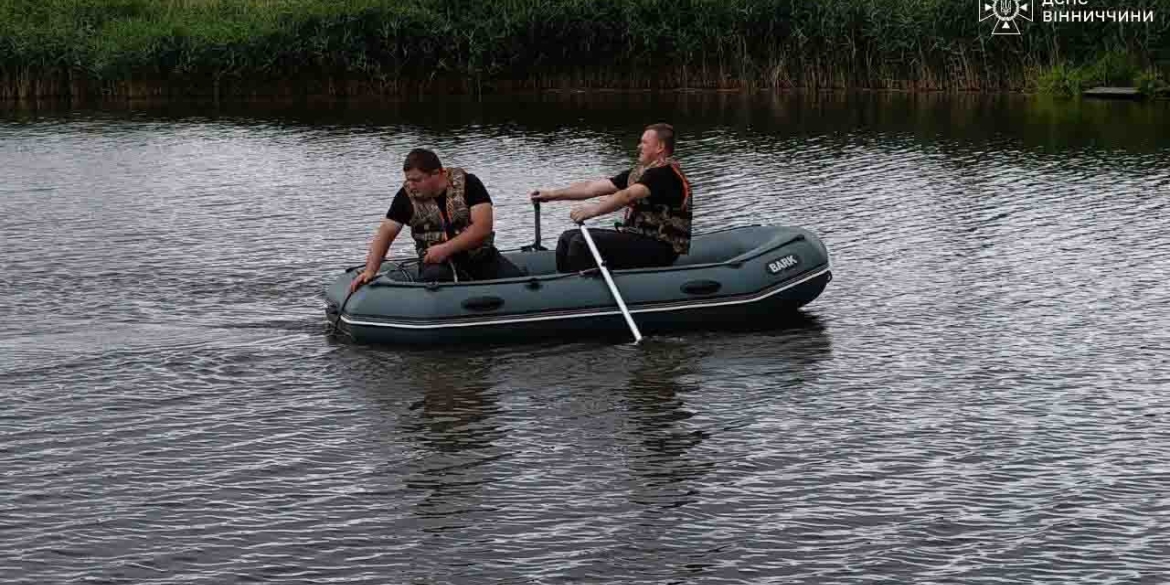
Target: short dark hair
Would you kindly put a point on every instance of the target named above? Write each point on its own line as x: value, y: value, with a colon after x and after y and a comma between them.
x: 423, y: 160
x: 665, y: 134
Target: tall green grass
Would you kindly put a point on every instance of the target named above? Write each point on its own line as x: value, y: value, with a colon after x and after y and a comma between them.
x: 293, y: 47
x: 1110, y: 69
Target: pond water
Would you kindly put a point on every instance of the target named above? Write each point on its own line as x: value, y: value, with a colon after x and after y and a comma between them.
x: 980, y: 395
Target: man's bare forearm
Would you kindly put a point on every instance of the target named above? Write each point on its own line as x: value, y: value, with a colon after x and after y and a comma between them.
x: 470, y: 238
x: 585, y: 190
x: 379, y: 247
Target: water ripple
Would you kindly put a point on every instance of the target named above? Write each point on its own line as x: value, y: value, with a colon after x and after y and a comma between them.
x: 977, y: 397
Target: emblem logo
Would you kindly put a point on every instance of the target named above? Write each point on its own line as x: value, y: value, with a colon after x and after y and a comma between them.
x: 1005, y: 13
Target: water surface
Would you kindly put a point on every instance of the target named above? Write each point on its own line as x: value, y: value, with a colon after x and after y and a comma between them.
x: 979, y: 396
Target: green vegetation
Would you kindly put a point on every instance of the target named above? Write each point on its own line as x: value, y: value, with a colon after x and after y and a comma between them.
x: 1152, y: 83
x: 353, y: 47
x: 1110, y: 69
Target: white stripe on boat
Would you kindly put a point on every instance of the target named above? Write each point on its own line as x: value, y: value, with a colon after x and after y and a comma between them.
x: 511, y: 320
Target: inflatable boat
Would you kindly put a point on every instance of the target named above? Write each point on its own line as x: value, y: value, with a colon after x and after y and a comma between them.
x: 755, y: 276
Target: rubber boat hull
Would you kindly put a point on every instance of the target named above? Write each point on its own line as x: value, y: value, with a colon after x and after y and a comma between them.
x: 754, y: 277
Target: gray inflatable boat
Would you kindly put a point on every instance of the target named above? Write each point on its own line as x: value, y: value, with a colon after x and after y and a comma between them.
x: 755, y: 276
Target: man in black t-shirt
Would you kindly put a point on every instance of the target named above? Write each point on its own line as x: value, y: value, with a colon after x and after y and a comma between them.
x: 657, y: 199
x: 449, y: 213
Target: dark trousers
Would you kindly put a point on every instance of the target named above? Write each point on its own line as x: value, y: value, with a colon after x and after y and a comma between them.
x: 493, y: 265
x: 618, y: 249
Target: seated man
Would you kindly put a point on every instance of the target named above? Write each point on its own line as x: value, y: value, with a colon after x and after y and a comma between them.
x: 657, y: 199
x: 450, y: 217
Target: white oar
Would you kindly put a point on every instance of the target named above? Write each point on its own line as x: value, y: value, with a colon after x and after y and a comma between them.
x: 612, y: 287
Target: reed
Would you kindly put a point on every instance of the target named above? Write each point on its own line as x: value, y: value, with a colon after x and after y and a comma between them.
x: 135, y: 48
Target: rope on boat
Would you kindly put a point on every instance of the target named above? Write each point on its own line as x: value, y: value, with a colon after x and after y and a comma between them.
x: 399, y: 266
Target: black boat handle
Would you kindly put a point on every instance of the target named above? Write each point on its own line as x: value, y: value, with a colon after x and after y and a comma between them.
x: 701, y: 287
x: 535, y: 246
x: 483, y: 303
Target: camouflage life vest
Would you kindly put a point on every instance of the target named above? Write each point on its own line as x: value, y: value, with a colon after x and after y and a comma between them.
x: 427, y: 225
x: 667, y: 223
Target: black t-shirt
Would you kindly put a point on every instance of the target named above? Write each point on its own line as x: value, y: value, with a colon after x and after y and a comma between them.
x: 666, y: 188
x: 402, y: 210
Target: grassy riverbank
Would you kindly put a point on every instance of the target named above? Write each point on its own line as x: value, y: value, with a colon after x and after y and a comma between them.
x: 142, y: 48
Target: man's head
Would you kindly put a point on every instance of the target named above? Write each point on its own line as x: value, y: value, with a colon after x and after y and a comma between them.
x: 657, y: 142
x: 424, y: 172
